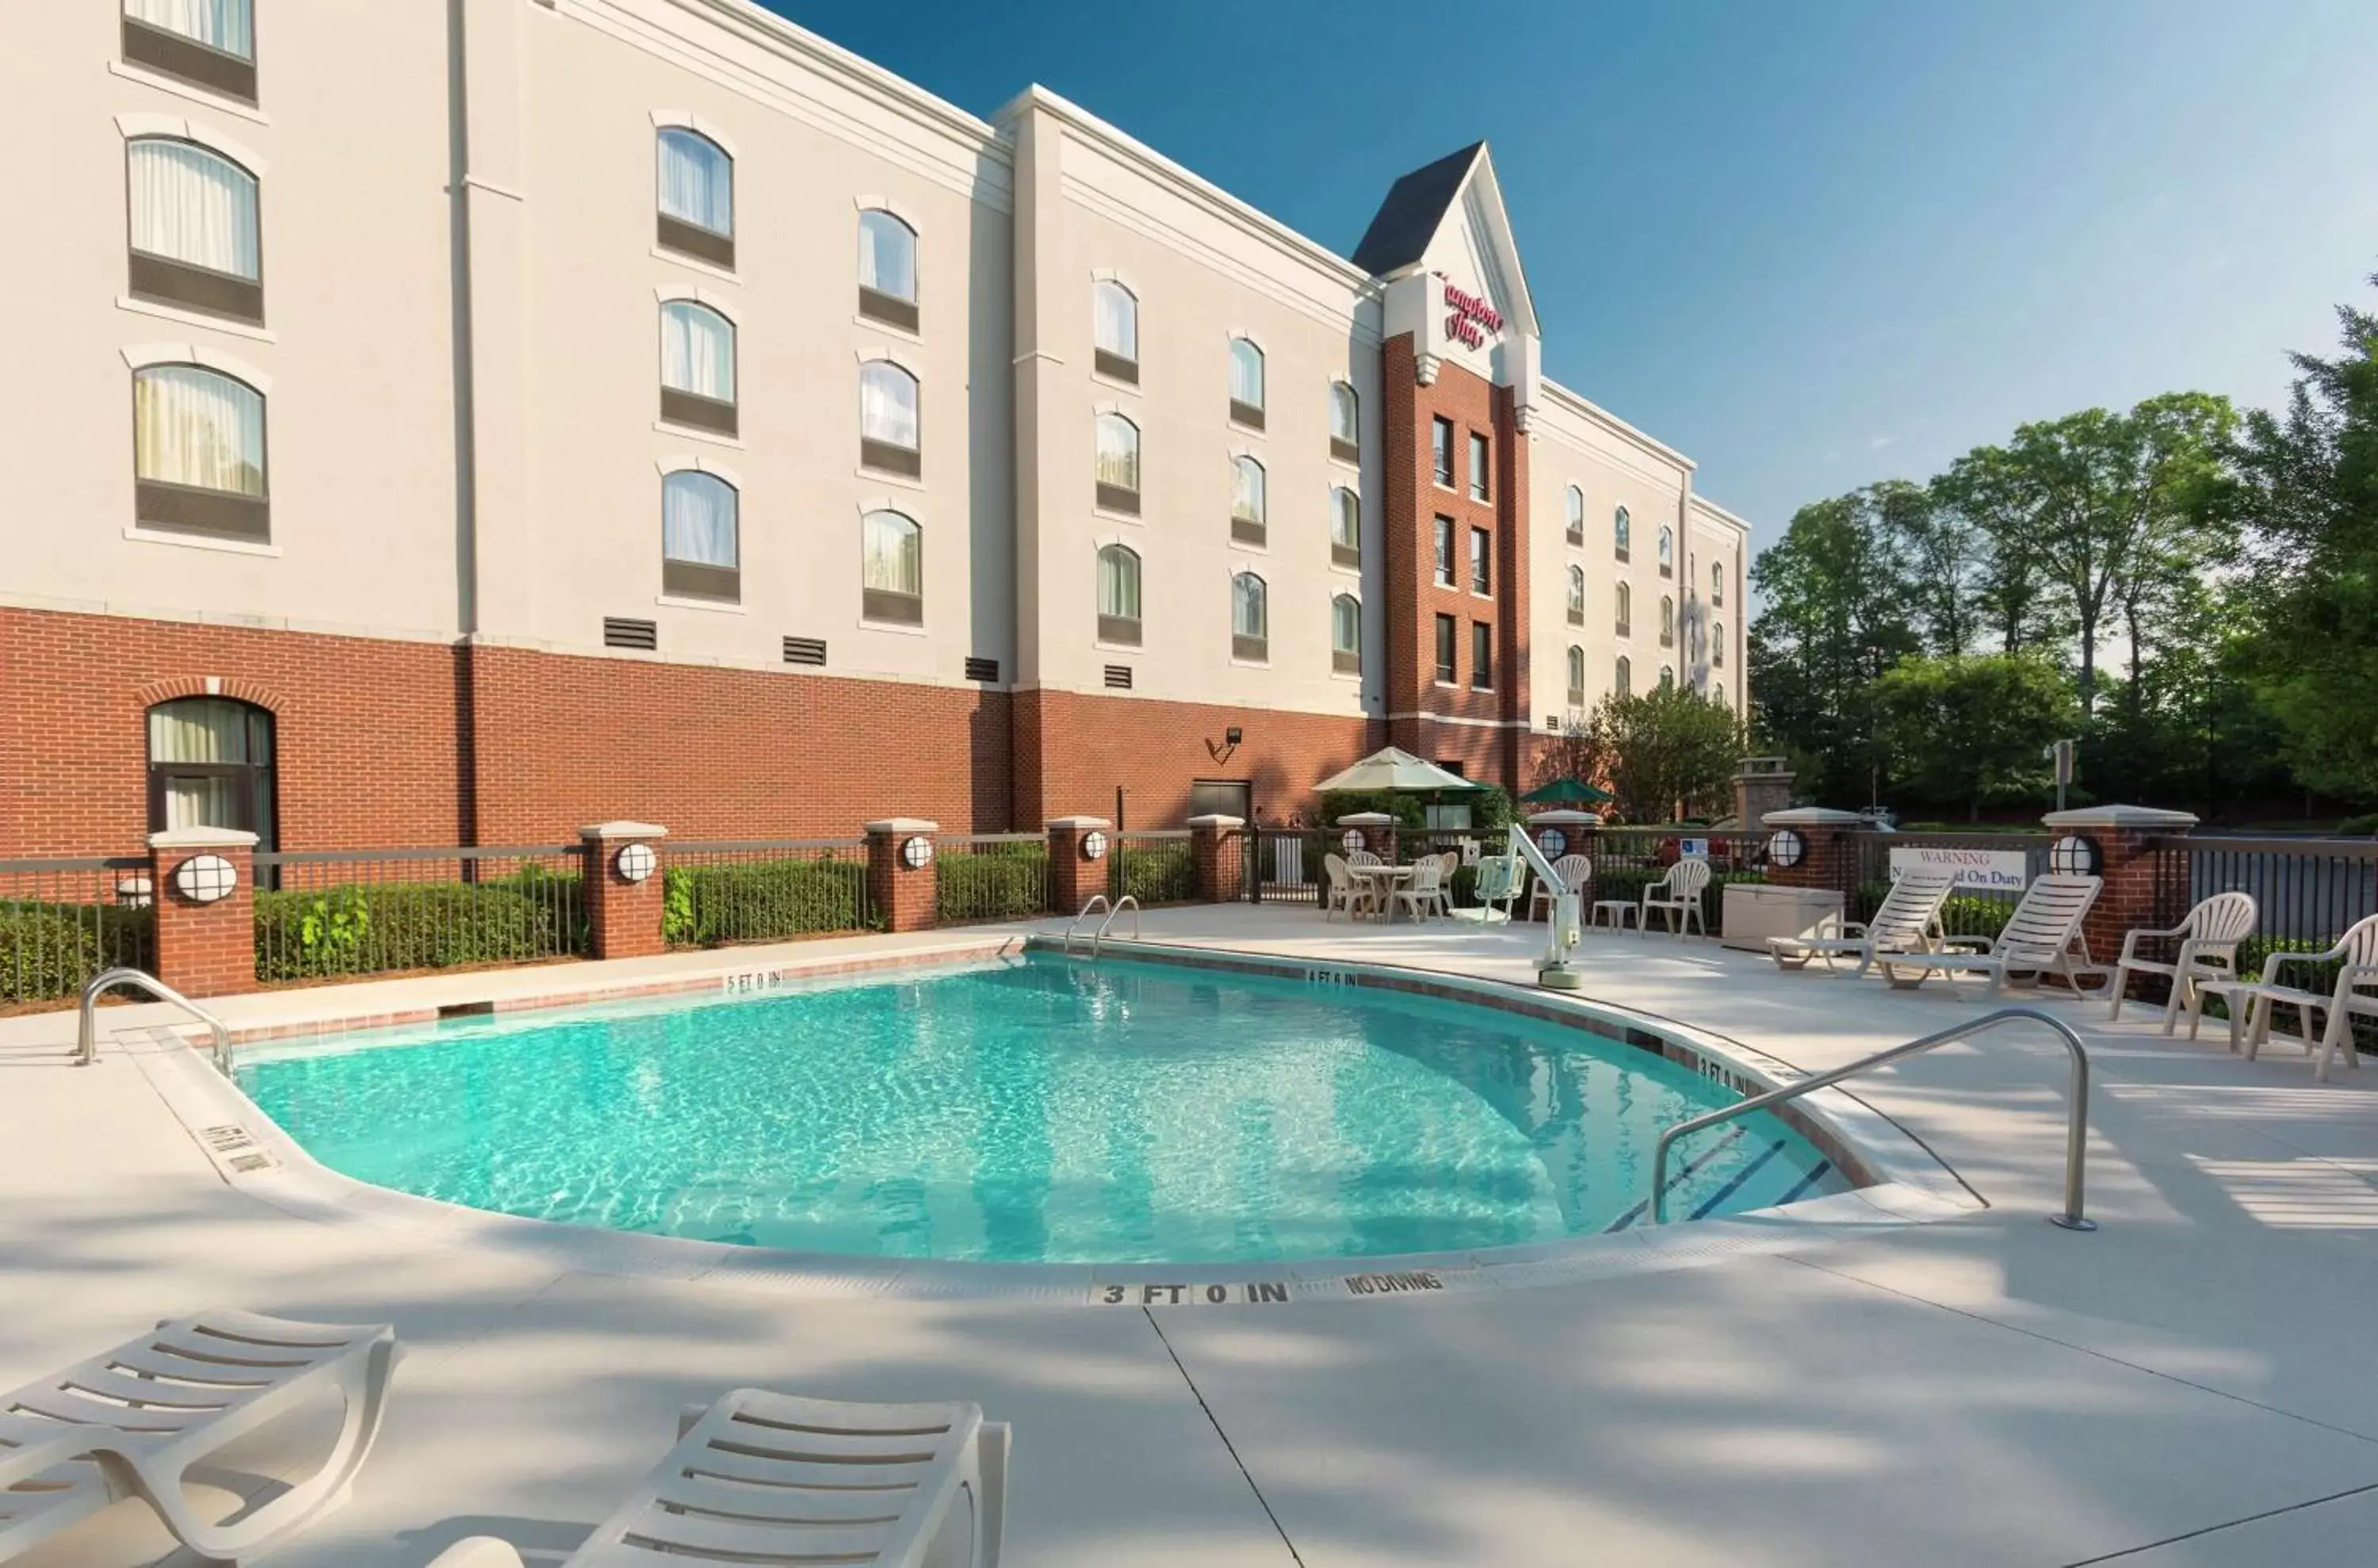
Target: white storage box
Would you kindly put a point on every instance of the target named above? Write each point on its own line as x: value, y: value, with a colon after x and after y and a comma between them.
x: 1756, y: 910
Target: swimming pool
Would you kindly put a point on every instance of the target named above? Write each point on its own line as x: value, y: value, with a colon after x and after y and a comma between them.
x: 1034, y: 1110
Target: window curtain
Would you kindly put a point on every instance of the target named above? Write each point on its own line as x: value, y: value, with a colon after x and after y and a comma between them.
x: 1346, y: 622
x: 1626, y: 604
x: 698, y: 519
x: 1346, y: 522
x: 212, y: 730
x: 697, y: 182
x: 1118, y: 452
x: 887, y: 255
x: 1246, y: 373
x: 1717, y: 643
x: 697, y: 351
x: 1247, y: 493
x: 1345, y: 413
x: 1667, y: 618
x: 1119, y: 583
x: 893, y: 554
x: 1625, y: 684
x: 1577, y: 676
x: 217, y: 24
x: 1623, y: 526
x: 1576, y: 591
x: 191, y: 206
x: 1117, y: 321
x: 193, y: 427
x: 1247, y: 618
x: 1577, y: 509
x: 887, y: 404
x: 1667, y: 548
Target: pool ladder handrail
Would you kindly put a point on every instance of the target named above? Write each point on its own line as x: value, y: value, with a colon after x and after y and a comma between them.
x: 1128, y: 901
x: 87, y: 1032
x: 2076, y: 1137
x: 1096, y: 900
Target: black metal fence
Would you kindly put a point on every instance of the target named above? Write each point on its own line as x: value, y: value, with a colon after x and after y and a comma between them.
x: 764, y: 890
x: 331, y: 912
x: 989, y: 876
x: 63, y: 921
x: 1155, y: 868
x: 2307, y: 892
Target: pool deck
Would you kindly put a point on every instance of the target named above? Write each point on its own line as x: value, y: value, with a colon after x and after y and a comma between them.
x: 2195, y: 1383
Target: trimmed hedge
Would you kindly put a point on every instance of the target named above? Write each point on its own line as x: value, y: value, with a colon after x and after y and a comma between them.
x: 371, y: 928
x: 991, y: 882
x: 1163, y: 873
x: 50, y: 950
x: 704, y: 906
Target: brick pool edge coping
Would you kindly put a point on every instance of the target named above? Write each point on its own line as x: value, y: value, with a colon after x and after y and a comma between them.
x: 1896, y: 1179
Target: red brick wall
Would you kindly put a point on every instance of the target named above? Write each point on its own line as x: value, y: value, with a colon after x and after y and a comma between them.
x: 1073, y: 749
x: 206, y: 949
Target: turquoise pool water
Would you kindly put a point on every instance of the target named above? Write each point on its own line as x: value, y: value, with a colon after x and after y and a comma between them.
x: 1040, y: 1111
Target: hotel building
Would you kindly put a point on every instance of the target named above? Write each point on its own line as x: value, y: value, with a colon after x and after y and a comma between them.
x: 455, y: 423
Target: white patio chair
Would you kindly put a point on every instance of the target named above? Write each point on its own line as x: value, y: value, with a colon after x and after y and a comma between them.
x: 132, y: 1422
x: 1575, y: 871
x: 1425, y: 891
x: 2042, y: 937
x: 1363, y: 857
x: 1678, y: 896
x: 1341, y: 892
x: 773, y: 1478
x: 2357, y: 952
x: 1909, y: 917
x: 2208, y: 951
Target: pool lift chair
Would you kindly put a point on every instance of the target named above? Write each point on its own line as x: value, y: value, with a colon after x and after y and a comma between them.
x: 1503, y: 874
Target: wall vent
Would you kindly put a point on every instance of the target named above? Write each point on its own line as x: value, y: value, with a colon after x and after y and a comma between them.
x: 1119, y: 676
x: 1552, y: 722
x: 805, y: 650
x: 619, y: 633
x: 980, y: 669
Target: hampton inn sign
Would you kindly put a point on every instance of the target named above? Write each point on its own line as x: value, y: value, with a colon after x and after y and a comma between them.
x: 1471, y: 317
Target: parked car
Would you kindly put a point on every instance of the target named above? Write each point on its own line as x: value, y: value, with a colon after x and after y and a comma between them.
x: 1883, y: 819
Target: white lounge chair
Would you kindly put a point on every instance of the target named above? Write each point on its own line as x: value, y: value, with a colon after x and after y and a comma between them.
x: 2208, y: 951
x: 1426, y: 892
x: 130, y: 1423
x: 1678, y: 896
x: 2357, y: 953
x: 2042, y: 937
x: 776, y: 1478
x: 1576, y: 874
x: 1908, y: 918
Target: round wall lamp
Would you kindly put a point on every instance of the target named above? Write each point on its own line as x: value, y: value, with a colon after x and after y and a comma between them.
x: 206, y: 879
x: 1785, y: 848
x: 1552, y: 842
x: 635, y: 863
x: 917, y: 853
x: 1094, y: 845
x: 1351, y: 840
x: 2075, y: 854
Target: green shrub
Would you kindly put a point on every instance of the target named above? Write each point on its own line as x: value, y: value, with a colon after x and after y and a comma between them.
x: 52, y: 950
x: 372, y: 927
x: 991, y: 882
x: 702, y: 906
x: 1163, y: 872
x: 2359, y: 827
x: 1964, y: 914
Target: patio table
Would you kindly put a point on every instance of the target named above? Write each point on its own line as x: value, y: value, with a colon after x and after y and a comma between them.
x: 1381, y: 882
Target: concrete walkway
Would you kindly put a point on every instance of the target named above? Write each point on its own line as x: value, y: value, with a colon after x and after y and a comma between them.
x: 2191, y: 1385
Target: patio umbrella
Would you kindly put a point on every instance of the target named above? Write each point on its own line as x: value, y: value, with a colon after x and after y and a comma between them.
x: 1567, y: 793
x: 1393, y: 768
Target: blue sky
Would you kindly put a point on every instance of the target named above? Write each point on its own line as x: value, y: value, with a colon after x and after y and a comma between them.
x: 1812, y: 243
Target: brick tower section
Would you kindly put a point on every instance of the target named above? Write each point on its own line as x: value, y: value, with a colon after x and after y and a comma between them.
x: 2129, y: 863
x: 623, y: 917
x: 903, y: 897
x: 1487, y: 732
x: 205, y: 948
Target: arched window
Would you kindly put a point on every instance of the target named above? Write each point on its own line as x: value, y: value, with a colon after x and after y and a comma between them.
x: 1119, y: 595
x: 1667, y: 551
x: 892, y: 568
x: 697, y: 367
x: 887, y: 269
x: 1345, y: 422
x: 1246, y: 383
x: 194, y: 229
x: 1118, y: 464
x: 1250, y: 618
x: 1247, y: 518
x: 1621, y: 678
x: 1576, y: 516
x: 161, y: 35
x: 1576, y: 676
x: 1576, y: 595
x: 1346, y: 634
x: 1114, y: 325
x: 1622, y: 532
x: 211, y: 765
x: 1345, y: 527
x: 1667, y: 677
x: 887, y: 419
x: 198, y: 453
x: 697, y: 199
x: 1626, y: 620
x: 1717, y: 643
x: 1667, y: 622
x: 699, y: 554
x: 1717, y: 582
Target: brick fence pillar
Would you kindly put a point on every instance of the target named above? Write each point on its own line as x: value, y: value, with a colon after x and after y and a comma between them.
x: 901, y: 894
x: 1208, y: 839
x: 1835, y: 853
x: 1379, y: 831
x: 202, y: 883
x: 2126, y: 861
x: 1559, y: 833
x: 1074, y: 876
x: 624, y: 896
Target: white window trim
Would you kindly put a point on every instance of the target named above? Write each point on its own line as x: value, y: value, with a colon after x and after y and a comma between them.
x: 140, y: 355
x: 1255, y: 455
x: 685, y: 462
x: 164, y: 312
x: 873, y: 352
x: 694, y: 263
x: 686, y: 119
x: 1116, y: 275
x: 136, y: 127
x: 138, y: 535
x: 886, y: 204
x: 663, y: 293
x: 189, y: 89
x: 1235, y: 334
x: 690, y: 432
x: 893, y: 503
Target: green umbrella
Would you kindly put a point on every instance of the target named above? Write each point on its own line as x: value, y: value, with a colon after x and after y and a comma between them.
x: 1567, y: 793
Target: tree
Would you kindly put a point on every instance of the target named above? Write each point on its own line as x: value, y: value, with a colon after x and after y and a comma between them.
x: 1972, y: 728
x: 1942, y: 553
x: 1581, y: 751
x: 1983, y: 490
x: 1670, y: 752
x: 2310, y: 494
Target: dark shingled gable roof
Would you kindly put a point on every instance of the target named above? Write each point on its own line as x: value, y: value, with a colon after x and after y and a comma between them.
x: 1408, y: 217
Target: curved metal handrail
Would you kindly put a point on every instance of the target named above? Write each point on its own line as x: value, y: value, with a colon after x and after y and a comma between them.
x: 2077, y: 1136
x: 1128, y: 901
x: 1088, y: 909
x: 87, y: 1035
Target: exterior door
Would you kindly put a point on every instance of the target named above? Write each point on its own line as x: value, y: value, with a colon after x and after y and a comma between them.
x: 1222, y: 797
